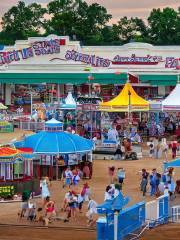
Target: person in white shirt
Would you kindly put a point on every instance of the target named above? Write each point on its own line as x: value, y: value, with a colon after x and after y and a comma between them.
x: 113, y: 134
x: 164, y: 146
x: 92, y: 211
x: 68, y: 177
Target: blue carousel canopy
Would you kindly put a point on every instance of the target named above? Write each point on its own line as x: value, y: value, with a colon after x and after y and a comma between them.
x: 175, y: 163
x: 46, y: 142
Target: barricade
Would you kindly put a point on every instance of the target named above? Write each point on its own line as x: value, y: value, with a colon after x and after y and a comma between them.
x: 175, y: 214
x: 33, y: 126
x: 157, y: 211
x: 129, y: 220
x: 134, y: 218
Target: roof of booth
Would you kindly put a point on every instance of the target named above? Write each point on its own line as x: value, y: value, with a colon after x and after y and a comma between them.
x: 122, y: 101
x: 62, y: 78
x: 172, y: 102
x: 56, y: 143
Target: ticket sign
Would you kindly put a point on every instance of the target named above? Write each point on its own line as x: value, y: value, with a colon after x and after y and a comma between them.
x: 6, y: 191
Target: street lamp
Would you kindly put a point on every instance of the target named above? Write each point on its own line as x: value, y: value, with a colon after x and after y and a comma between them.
x: 90, y: 78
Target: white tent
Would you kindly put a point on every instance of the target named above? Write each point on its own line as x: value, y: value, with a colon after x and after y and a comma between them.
x: 172, y: 102
x: 70, y: 102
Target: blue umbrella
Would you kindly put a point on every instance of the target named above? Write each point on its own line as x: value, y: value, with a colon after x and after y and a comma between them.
x: 56, y: 143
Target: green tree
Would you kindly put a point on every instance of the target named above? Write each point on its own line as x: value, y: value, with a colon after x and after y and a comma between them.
x: 164, y: 26
x: 75, y: 17
x: 22, y: 21
x: 128, y: 29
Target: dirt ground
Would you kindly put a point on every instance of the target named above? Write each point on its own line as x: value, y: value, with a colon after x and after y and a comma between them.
x: 8, y: 211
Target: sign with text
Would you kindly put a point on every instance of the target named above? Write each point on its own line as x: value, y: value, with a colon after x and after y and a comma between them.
x: 146, y: 60
x: 36, y: 49
x: 93, y: 60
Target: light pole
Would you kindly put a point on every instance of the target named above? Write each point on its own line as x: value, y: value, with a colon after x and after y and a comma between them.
x: 90, y: 77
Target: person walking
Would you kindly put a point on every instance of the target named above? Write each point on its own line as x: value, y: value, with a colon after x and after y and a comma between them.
x: 144, y: 181
x: 164, y: 146
x: 174, y: 148
x: 111, y: 172
x: 121, y: 173
x: 151, y: 149
x: 67, y: 176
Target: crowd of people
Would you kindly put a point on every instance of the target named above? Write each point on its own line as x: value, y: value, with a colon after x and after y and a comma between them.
x: 158, y: 147
x: 160, y: 183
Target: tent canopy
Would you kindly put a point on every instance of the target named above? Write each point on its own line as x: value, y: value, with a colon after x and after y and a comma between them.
x: 8, y: 154
x: 127, y: 97
x: 56, y: 143
x: 11, y: 152
x: 175, y: 163
x: 3, y: 107
x: 70, y: 102
x: 172, y: 102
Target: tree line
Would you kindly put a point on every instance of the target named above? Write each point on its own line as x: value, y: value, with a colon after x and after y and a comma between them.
x: 88, y: 24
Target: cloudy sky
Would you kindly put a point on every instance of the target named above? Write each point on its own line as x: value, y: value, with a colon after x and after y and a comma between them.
x: 118, y: 8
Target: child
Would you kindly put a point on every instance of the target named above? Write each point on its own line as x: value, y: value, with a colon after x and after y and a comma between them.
x: 121, y: 175
x: 68, y: 177
x: 151, y: 149
x: 111, y: 174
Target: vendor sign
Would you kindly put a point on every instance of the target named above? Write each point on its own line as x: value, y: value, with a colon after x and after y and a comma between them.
x: 6, y: 191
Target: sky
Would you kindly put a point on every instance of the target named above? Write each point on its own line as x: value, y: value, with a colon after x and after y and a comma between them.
x: 118, y: 8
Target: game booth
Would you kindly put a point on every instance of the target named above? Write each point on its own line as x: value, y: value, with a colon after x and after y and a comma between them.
x: 5, y: 126
x: 55, y: 149
x: 16, y: 172
x: 172, y: 104
x: 129, y: 103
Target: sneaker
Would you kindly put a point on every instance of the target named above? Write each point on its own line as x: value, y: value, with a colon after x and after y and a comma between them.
x: 66, y: 220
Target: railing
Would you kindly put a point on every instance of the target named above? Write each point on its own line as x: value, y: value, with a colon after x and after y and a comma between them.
x: 157, y: 211
x: 33, y: 126
x: 175, y: 214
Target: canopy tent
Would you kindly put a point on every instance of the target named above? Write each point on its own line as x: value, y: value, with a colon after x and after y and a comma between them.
x: 15, y: 163
x: 175, y: 163
x: 52, y: 141
x: 46, y: 142
x: 172, y: 102
x: 69, y: 102
x: 3, y: 107
x: 127, y: 100
x: 8, y: 154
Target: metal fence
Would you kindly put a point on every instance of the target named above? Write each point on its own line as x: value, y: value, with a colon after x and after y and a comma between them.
x: 134, y: 218
x: 33, y: 126
x: 157, y: 211
x: 175, y: 214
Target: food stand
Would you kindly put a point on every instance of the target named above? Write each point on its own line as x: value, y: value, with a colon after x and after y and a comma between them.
x: 128, y: 102
x: 16, y: 172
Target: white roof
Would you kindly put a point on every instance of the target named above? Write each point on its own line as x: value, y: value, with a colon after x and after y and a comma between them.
x: 53, y: 121
x: 172, y: 102
x: 69, y: 99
